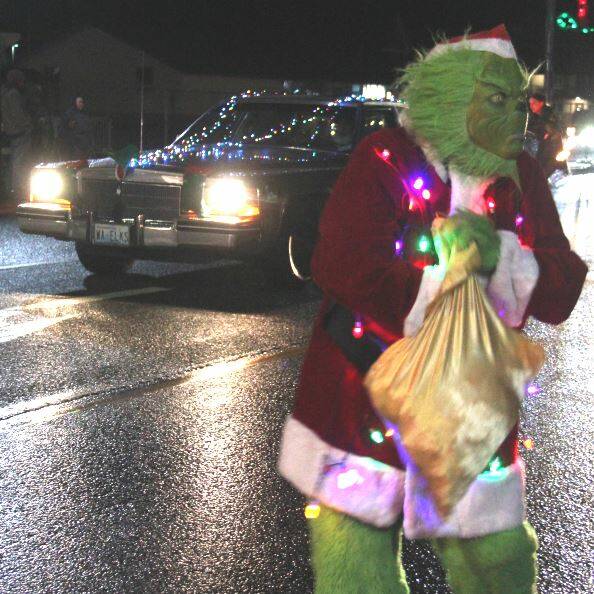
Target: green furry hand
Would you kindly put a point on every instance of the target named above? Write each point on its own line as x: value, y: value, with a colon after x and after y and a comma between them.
x: 456, y: 233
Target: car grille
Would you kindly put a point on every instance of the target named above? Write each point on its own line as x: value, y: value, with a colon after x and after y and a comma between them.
x: 114, y: 200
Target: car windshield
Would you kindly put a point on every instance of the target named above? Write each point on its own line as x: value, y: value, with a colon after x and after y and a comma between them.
x: 319, y: 127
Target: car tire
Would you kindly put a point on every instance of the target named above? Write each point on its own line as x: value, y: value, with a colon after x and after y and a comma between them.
x: 288, y: 264
x: 98, y: 261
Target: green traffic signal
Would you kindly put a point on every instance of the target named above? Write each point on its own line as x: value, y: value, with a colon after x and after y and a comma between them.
x: 565, y: 21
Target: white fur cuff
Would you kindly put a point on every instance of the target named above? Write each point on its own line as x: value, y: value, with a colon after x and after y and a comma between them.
x: 494, y: 502
x: 428, y: 289
x: 514, y: 279
x: 355, y: 485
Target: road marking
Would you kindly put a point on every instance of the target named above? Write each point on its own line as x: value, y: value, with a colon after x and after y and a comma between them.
x: 56, y: 302
x: 28, y: 264
x: 16, y: 322
x: 11, y: 330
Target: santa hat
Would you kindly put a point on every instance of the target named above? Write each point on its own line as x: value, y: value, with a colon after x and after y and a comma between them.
x: 496, y: 41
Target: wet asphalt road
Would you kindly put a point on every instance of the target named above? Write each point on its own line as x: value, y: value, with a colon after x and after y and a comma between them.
x: 140, y: 421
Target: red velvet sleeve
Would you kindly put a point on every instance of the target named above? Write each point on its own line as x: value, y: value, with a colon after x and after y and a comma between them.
x: 561, y: 272
x: 354, y: 260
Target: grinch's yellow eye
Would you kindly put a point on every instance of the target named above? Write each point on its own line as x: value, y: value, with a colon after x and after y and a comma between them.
x: 497, y: 98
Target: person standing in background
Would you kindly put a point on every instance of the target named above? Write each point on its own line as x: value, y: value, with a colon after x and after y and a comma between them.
x: 17, y: 125
x: 36, y: 105
x: 547, y: 135
x: 76, y: 131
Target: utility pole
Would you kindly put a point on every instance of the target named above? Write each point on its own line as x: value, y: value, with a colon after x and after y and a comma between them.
x: 142, y: 103
x: 550, y: 30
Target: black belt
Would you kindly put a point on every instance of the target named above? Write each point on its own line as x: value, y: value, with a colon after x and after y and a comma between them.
x: 361, y: 352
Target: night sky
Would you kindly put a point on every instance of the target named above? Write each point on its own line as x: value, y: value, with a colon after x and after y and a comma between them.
x: 297, y: 39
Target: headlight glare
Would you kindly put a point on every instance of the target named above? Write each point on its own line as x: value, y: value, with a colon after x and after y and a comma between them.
x: 586, y: 137
x: 229, y: 200
x: 47, y: 185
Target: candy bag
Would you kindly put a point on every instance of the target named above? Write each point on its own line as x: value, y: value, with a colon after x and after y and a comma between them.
x: 454, y: 390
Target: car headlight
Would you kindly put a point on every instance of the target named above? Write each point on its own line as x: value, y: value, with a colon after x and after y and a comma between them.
x: 47, y: 185
x: 586, y: 137
x: 229, y: 200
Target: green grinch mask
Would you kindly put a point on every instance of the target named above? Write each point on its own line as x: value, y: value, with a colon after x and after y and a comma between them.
x: 469, y: 106
x: 497, y: 114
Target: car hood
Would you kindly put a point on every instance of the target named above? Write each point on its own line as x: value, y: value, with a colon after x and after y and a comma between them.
x: 212, y: 159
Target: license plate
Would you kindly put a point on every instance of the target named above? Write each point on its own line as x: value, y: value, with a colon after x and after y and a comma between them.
x: 111, y: 234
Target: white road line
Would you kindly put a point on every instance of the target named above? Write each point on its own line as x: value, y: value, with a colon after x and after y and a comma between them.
x: 13, y: 331
x: 28, y: 264
x: 16, y: 322
x: 56, y: 302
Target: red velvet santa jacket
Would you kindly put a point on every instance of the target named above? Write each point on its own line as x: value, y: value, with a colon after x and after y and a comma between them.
x: 355, y: 264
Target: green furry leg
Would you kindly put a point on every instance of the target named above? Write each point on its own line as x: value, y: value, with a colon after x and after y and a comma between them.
x: 500, y: 563
x: 349, y: 557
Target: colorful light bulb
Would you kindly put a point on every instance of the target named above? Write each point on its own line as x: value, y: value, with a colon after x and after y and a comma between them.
x: 528, y: 443
x: 358, y: 330
x: 532, y: 390
x: 312, y: 510
x: 418, y: 183
x: 491, y: 204
x: 386, y: 154
x: 376, y: 436
x: 398, y: 246
x: 494, y: 469
x: 495, y: 464
x: 423, y: 245
x: 426, y: 194
x: 519, y: 220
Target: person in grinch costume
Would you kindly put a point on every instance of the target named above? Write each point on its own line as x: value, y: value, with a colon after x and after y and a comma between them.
x: 457, y: 152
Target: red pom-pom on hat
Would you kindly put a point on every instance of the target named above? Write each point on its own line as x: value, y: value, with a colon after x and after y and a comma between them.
x: 496, y: 40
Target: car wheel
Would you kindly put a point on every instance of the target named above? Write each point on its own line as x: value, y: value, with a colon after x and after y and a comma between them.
x: 102, y: 262
x: 299, y: 253
x: 288, y: 265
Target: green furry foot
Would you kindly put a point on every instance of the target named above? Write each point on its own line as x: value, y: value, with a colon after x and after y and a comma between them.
x: 500, y: 563
x: 349, y: 557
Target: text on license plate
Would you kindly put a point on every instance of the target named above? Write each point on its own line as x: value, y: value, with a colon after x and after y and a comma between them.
x: 111, y: 234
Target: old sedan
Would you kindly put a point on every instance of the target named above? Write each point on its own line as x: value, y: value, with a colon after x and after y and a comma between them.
x: 247, y: 179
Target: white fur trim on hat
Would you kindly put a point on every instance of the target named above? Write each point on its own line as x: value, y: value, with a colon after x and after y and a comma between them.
x: 496, y: 41
x: 355, y: 485
x: 500, y: 47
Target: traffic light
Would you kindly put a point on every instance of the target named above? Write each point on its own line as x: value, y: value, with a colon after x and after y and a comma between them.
x: 582, y: 14
x: 580, y: 22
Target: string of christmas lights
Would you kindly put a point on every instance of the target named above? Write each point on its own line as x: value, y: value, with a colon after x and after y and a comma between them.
x: 194, y: 147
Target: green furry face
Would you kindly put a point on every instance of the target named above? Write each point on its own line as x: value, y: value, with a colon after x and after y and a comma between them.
x: 466, y: 105
x: 497, y: 115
